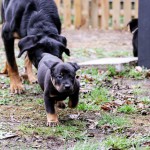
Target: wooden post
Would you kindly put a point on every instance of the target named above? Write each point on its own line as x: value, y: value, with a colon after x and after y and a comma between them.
x: 85, y: 13
x: 104, y: 14
x: 94, y: 13
x: 78, y: 13
x: 116, y: 14
x: 67, y: 13
x: 127, y: 10
x: 136, y: 8
x: 144, y: 34
x: 57, y: 3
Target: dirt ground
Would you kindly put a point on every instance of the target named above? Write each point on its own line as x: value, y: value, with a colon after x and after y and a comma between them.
x: 19, y: 113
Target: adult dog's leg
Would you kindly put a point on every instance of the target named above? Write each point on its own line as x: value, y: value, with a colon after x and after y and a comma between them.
x: 29, y: 71
x: 8, y: 39
x: 5, y: 70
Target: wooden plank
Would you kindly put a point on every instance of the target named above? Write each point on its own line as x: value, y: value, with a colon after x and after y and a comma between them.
x: 94, y: 13
x: 104, y: 14
x: 85, y: 14
x: 67, y: 13
x: 57, y: 3
x: 127, y: 12
x: 58, y: 6
x: 78, y: 13
x: 116, y: 14
x: 136, y: 8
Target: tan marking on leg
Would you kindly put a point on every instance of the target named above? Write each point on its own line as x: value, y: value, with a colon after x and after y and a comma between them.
x: 29, y: 71
x: 70, y: 104
x: 16, y: 35
x: 15, y: 81
x: 52, y: 119
x: 61, y: 105
x: 5, y: 70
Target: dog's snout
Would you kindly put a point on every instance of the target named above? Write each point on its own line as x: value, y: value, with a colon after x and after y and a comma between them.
x: 67, y: 86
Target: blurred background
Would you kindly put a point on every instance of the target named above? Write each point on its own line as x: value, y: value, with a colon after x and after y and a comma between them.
x: 101, y: 14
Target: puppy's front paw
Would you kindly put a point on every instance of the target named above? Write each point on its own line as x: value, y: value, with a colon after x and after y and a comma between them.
x: 61, y: 105
x: 52, y: 124
x: 52, y: 120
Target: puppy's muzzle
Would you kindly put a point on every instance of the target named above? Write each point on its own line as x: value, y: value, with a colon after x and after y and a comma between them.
x: 67, y: 87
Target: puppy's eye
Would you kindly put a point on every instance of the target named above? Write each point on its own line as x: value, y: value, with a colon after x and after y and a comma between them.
x: 60, y: 77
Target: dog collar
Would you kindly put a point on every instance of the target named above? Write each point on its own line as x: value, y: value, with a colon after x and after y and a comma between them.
x: 134, y: 30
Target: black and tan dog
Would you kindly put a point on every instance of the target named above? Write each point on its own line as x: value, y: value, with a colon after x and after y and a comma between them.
x: 58, y: 81
x: 133, y: 24
x: 37, y: 24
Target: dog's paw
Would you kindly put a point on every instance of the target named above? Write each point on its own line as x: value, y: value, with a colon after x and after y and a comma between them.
x: 61, y: 105
x: 16, y: 89
x: 52, y: 120
x: 33, y: 80
x: 16, y: 86
x: 52, y: 124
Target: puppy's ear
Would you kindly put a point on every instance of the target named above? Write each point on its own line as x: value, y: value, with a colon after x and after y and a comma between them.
x: 67, y: 51
x: 61, y: 48
x: 27, y: 43
x: 59, y: 38
x: 75, y: 65
x: 63, y: 40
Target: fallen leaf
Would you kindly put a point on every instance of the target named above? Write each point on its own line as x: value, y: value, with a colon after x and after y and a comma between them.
x: 6, y: 135
x: 74, y: 116
x: 106, y: 107
x: 118, y: 102
x: 140, y: 106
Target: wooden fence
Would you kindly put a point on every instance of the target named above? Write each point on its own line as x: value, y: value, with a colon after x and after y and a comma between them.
x: 103, y: 14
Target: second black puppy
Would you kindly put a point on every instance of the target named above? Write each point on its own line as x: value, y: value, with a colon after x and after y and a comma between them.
x: 133, y: 24
x: 58, y: 81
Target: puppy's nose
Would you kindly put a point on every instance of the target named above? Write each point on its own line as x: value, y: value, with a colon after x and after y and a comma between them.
x: 67, y: 86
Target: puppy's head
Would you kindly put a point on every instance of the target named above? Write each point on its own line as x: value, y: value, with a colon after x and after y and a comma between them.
x: 63, y: 76
x: 133, y: 24
x: 54, y: 45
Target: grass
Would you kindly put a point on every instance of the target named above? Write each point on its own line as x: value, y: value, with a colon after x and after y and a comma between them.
x: 127, y: 72
x: 128, y: 109
x: 86, y: 145
x: 133, y: 73
x: 93, y: 100
x: 69, y: 130
x: 113, y: 120
x: 117, y: 142
x: 4, y: 101
x: 145, y: 100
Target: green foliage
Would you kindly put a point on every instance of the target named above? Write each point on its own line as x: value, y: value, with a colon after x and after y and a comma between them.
x: 68, y: 130
x: 113, y: 120
x: 117, y: 142
x: 145, y: 100
x: 86, y: 145
x: 136, y: 74
x: 128, y: 109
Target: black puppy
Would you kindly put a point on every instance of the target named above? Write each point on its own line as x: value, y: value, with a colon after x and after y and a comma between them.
x: 37, y: 24
x: 133, y: 24
x: 58, y: 81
